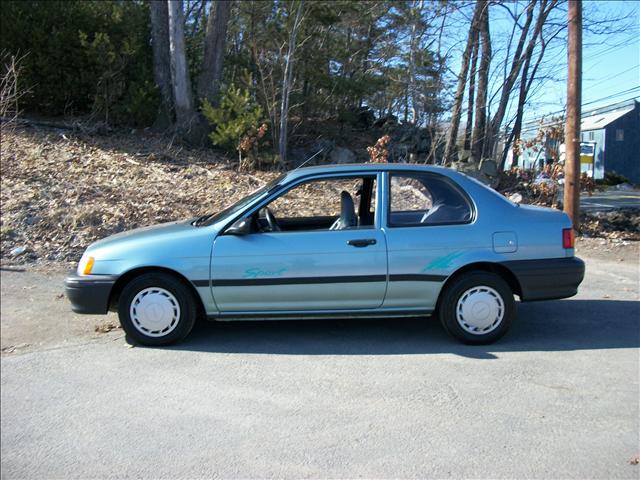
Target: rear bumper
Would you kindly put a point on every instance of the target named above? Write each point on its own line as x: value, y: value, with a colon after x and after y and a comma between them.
x: 547, y: 279
x: 90, y: 293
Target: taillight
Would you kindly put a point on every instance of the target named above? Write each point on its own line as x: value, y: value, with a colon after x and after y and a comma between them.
x: 568, y: 238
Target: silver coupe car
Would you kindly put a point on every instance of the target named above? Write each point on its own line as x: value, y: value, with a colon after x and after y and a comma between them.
x: 372, y: 240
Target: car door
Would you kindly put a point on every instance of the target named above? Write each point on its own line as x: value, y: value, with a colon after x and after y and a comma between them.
x: 306, y: 267
x: 429, y: 227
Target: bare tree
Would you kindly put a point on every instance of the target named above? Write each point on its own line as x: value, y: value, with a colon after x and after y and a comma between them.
x: 471, y: 97
x: 287, y: 82
x: 462, y: 81
x: 161, y: 60
x: 519, y: 58
x: 477, y: 137
x: 416, y: 13
x: 183, y: 98
x: 214, y: 50
x: 10, y: 90
x: 526, y: 81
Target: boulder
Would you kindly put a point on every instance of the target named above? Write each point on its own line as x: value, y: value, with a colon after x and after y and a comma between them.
x: 464, y: 155
x: 472, y: 170
x: 386, y: 121
x: 366, y: 117
x: 341, y: 155
x: 488, y: 167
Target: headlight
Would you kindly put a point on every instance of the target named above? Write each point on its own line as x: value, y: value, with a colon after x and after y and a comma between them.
x: 86, y: 265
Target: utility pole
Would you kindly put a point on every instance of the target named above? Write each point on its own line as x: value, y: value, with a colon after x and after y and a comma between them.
x: 572, y: 127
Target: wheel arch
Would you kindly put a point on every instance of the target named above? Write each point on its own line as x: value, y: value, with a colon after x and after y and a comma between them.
x: 490, y: 267
x: 136, y: 272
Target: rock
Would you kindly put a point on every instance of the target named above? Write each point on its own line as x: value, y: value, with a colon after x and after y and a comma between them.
x: 360, y: 117
x: 324, y: 146
x: 365, y: 116
x: 515, y: 198
x: 423, y: 144
x: 18, y: 251
x: 489, y: 167
x: 473, y: 170
x: 386, y: 121
x: 464, y: 155
x: 297, y: 156
x: 341, y: 155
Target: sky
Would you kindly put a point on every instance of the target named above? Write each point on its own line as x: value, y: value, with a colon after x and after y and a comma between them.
x: 610, y: 63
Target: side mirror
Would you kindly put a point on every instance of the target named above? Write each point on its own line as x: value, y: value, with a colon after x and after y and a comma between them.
x: 239, y: 227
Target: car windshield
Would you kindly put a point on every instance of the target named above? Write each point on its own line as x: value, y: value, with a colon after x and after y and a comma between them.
x: 240, y: 204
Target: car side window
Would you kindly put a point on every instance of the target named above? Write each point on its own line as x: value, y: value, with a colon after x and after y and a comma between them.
x: 314, y: 199
x: 426, y: 199
x: 326, y: 204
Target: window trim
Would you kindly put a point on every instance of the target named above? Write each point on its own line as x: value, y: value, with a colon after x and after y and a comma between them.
x: 376, y: 175
x: 414, y: 173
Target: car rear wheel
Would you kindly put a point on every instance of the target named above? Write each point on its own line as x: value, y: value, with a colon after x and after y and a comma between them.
x: 477, y: 308
x: 156, y: 309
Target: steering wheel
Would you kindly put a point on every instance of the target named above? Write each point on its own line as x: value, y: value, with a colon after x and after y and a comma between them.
x: 271, y: 220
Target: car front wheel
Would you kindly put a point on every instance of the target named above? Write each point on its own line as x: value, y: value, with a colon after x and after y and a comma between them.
x: 477, y: 308
x: 156, y: 309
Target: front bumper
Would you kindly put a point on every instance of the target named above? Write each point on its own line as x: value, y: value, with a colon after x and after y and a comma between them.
x: 547, y: 279
x: 90, y: 293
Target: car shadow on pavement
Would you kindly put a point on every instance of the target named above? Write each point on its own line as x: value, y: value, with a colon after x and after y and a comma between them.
x: 540, y: 326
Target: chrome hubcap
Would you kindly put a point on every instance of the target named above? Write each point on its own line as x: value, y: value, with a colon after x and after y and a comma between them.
x: 480, y: 310
x: 155, y: 312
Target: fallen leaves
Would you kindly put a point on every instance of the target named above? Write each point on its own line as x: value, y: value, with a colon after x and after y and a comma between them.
x: 107, y: 327
x: 621, y: 224
x: 62, y: 192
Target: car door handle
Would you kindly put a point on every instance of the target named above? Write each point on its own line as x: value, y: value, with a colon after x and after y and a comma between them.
x: 364, y: 242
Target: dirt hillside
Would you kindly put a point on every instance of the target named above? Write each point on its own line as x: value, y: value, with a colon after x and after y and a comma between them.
x: 62, y: 191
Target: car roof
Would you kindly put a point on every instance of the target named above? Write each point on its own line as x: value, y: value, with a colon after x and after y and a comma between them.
x: 367, y: 167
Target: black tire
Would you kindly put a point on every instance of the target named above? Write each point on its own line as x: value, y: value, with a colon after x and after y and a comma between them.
x: 468, y: 282
x: 182, y: 294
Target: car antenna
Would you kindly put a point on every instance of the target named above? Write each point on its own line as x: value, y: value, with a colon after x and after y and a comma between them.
x: 308, y: 160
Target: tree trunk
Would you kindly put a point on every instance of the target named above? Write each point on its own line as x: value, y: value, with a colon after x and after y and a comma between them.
x: 214, y: 50
x: 416, y: 12
x: 516, y: 65
x: 161, y: 62
x: 493, y: 126
x: 478, y: 135
x: 462, y: 80
x: 525, y: 85
x: 185, y: 113
x: 471, y: 97
x: 517, y: 124
x: 286, y: 86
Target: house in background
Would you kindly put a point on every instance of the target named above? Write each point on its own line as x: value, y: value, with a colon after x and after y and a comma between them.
x: 613, y: 134
x: 610, y: 142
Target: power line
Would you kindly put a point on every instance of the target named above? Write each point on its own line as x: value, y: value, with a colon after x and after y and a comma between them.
x: 631, y: 90
x: 625, y: 92
x: 612, y: 76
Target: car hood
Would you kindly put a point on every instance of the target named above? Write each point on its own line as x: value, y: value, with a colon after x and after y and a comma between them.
x: 145, y: 238
x: 147, y: 232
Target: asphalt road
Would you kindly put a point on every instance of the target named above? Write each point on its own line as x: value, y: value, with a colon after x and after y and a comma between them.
x: 557, y: 398
x: 610, y: 200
